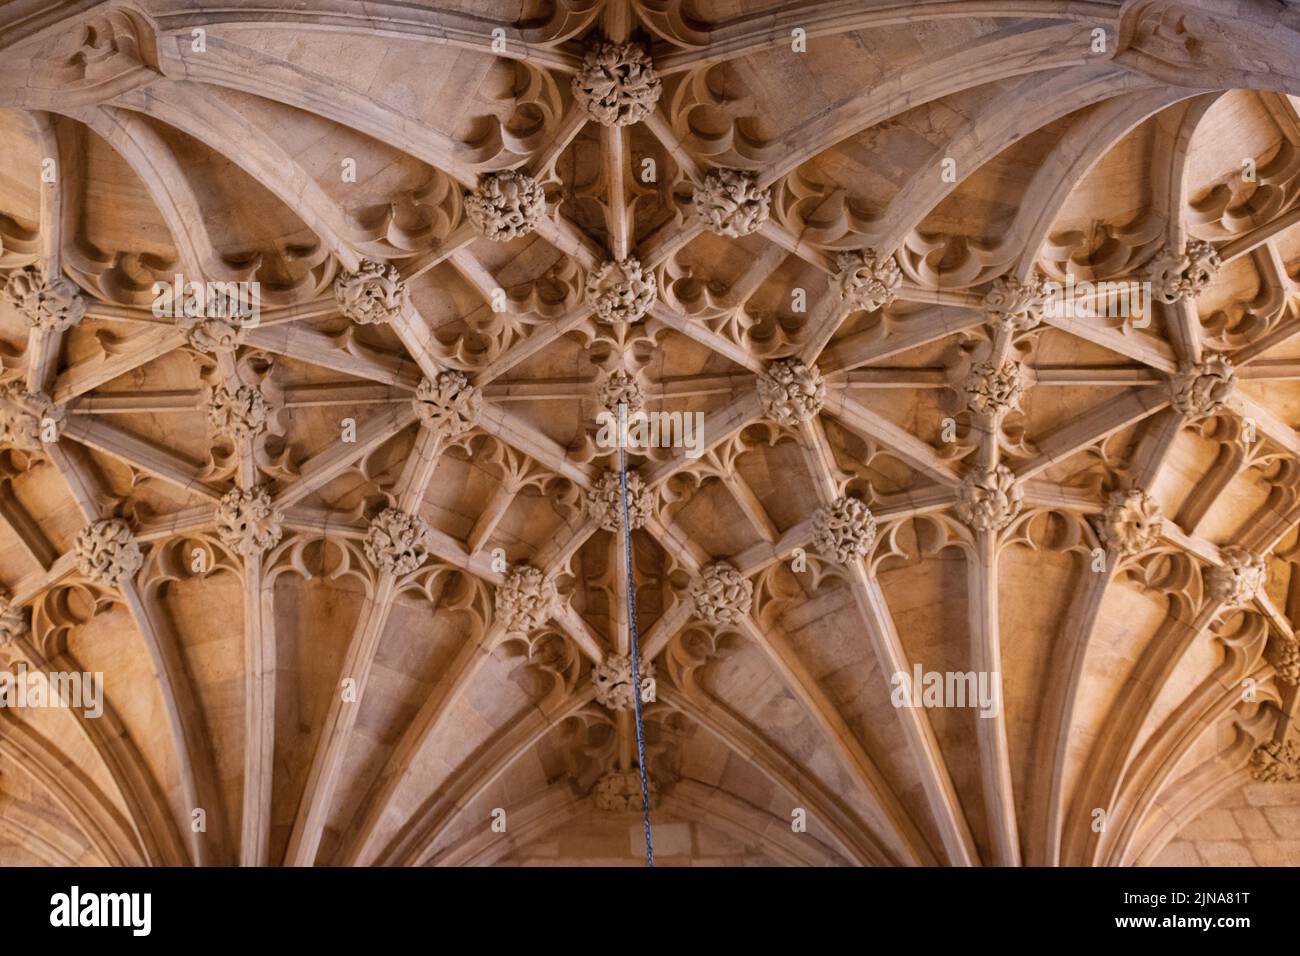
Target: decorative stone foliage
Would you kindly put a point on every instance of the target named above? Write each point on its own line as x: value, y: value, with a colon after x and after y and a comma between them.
x: 241, y: 414
x: 1201, y: 390
x: 397, y: 542
x: 13, y: 620
x: 526, y: 599
x: 621, y: 291
x: 617, y: 84
x: 49, y: 303
x: 1176, y: 276
x: 619, y: 791
x: 211, y: 335
x: 1131, y: 522
x: 1276, y: 762
x: 1014, y: 305
x: 1284, y: 655
x: 620, y: 386
x: 373, y: 294
x: 721, y: 594
x: 844, y: 530
x: 449, y: 404
x: 729, y: 202
x: 791, y: 392
x: 613, y: 680
x: 107, y: 552
x: 994, y: 390
x: 1239, y: 580
x: 506, y: 205
x: 605, y: 501
x: 248, y: 522
x: 989, y: 499
x: 865, y: 280
x: 27, y: 419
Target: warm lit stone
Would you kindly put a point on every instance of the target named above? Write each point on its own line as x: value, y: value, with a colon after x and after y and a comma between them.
x: 397, y: 542
x: 612, y: 678
x: 989, y: 499
x: 619, y: 791
x: 1131, y: 522
x: 620, y: 387
x: 241, y: 414
x: 720, y: 594
x: 526, y: 599
x: 506, y: 205
x: 213, y: 335
x: 1284, y: 655
x: 49, y: 303
x: 375, y: 293
x: 28, y: 419
x: 617, y: 84
x: 865, y: 280
x: 994, y: 390
x: 474, y: 173
x: 1182, y: 275
x: 844, y: 530
x: 13, y: 620
x: 621, y: 291
x: 791, y: 391
x: 1276, y: 762
x: 729, y: 202
x: 605, y: 501
x: 248, y: 522
x: 1201, y: 390
x: 107, y: 552
x: 1239, y: 580
x: 449, y: 404
x: 1014, y: 305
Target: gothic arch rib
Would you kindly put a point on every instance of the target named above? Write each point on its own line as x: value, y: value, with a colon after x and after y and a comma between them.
x: 857, y: 330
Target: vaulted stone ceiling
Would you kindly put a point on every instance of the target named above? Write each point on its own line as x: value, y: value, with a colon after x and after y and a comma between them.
x: 353, y: 573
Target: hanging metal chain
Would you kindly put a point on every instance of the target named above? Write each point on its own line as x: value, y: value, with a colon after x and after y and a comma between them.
x: 635, y: 639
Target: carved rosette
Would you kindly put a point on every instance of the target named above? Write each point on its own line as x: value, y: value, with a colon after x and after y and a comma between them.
x: 721, y: 595
x: 1201, y: 390
x: 617, y: 84
x: 211, y: 335
x: 1239, y: 580
x: 449, y: 404
x: 28, y: 418
x: 1131, y: 522
x: 621, y: 387
x: 989, y: 499
x: 1284, y: 655
x: 619, y: 791
x: 1014, y: 305
x: 729, y: 202
x: 526, y: 599
x: 621, y: 291
x: 994, y: 390
x: 52, y: 304
x: 613, y: 680
x: 241, y: 414
x: 844, y: 530
x: 506, y: 205
x: 248, y: 522
x: 605, y: 501
x: 373, y: 294
x: 866, y: 281
x: 397, y: 542
x: 1275, y: 762
x: 13, y: 620
x: 791, y: 392
x: 1176, y: 276
x: 107, y: 552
